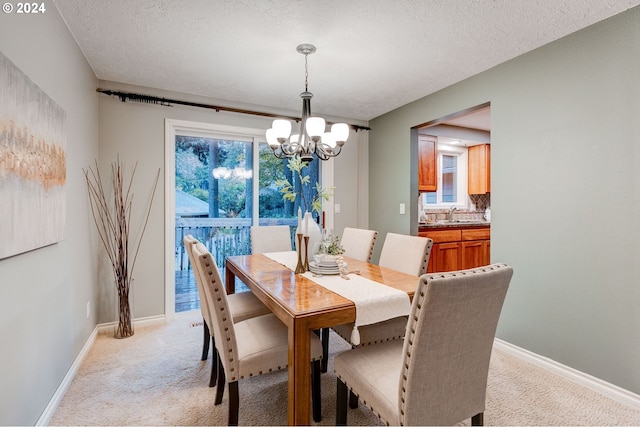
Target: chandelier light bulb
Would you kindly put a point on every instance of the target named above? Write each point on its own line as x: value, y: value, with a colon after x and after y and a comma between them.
x: 315, y: 127
x: 281, y: 129
x: 271, y: 139
x: 329, y: 139
x: 340, y: 132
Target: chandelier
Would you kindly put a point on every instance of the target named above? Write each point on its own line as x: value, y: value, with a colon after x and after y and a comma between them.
x: 312, y: 138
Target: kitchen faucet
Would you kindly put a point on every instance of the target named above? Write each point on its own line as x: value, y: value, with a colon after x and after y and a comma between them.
x: 451, y: 210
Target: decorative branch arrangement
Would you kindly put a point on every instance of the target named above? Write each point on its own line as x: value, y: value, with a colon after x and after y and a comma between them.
x: 288, y: 190
x: 112, y: 221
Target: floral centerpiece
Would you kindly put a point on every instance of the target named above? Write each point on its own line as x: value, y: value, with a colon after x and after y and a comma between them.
x: 331, y: 246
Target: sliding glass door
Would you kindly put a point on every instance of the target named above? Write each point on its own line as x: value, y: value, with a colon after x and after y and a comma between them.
x: 217, y: 200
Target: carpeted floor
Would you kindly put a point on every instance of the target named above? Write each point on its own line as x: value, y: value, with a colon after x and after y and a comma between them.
x: 156, y: 377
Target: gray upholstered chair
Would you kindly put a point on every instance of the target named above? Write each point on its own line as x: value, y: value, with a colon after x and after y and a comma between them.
x: 358, y: 243
x: 408, y: 254
x: 243, y: 305
x: 270, y: 238
x: 438, y: 374
x: 251, y: 347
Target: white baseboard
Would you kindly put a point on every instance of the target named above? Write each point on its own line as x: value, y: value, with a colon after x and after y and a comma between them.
x: 48, y: 412
x: 143, y: 321
x: 609, y: 390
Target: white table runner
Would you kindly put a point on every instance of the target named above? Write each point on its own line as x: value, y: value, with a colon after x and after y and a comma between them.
x: 374, y: 301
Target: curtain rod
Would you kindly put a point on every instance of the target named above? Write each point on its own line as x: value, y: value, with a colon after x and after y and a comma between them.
x: 148, y: 99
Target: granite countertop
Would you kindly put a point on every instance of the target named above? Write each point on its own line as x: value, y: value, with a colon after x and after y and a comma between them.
x: 454, y: 224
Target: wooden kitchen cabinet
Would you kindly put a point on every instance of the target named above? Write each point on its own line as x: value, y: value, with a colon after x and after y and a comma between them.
x: 479, y: 173
x: 458, y: 248
x: 427, y: 163
x: 474, y: 254
x: 445, y: 257
x: 475, y: 248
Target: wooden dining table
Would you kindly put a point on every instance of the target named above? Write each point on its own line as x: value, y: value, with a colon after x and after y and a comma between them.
x: 304, y: 306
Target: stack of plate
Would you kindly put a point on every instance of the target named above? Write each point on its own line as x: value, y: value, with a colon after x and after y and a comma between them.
x: 324, y: 267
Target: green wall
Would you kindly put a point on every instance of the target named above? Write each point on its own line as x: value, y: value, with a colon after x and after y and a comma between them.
x: 565, y: 122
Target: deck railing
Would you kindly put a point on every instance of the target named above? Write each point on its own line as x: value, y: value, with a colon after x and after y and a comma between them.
x: 223, y: 237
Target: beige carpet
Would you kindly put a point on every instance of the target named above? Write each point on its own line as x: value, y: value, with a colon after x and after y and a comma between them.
x: 156, y: 377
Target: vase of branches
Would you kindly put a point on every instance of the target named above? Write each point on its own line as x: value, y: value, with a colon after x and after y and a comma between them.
x: 111, y: 214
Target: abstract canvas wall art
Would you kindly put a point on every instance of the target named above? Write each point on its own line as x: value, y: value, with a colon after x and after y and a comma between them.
x: 33, y: 167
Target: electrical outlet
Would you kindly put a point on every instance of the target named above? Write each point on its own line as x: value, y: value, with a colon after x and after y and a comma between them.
x: 402, y: 208
x: 336, y: 208
x: 88, y: 308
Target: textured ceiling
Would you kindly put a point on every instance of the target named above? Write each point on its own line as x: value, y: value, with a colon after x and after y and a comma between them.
x: 373, y: 55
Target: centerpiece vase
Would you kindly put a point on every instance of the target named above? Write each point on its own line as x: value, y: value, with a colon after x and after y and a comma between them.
x: 313, y: 231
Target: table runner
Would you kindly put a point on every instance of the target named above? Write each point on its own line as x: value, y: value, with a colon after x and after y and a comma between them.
x: 375, y: 302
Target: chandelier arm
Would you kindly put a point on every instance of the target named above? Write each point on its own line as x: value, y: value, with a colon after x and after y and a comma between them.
x: 322, y: 153
x: 289, y: 149
x: 278, y: 153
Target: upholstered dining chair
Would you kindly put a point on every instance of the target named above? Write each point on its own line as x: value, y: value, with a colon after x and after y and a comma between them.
x: 251, y: 347
x: 243, y: 305
x: 358, y: 243
x: 408, y: 254
x: 270, y: 238
x: 438, y: 374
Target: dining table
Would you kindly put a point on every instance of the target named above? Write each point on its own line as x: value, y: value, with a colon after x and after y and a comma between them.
x: 304, y: 306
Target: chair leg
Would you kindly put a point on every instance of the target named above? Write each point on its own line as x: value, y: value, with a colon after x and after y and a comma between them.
x: 478, y: 419
x: 215, y: 361
x: 341, y: 403
x: 221, y: 381
x: 325, y: 350
x: 353, y: 400
x: 205, y: 343
x: 316, y: 398
x: 234, y: 403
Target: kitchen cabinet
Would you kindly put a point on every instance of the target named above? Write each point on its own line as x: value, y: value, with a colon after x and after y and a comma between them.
x: 479, y: 173
x: 445, y: 257
x: 427, y: 163
x: 458, y: 248
x: 474, y: 254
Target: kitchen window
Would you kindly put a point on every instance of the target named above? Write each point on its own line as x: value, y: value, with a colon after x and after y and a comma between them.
x: 452, y: 179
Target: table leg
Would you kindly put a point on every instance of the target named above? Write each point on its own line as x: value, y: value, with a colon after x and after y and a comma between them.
x: 230, y: 280
x: 299, y: 410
